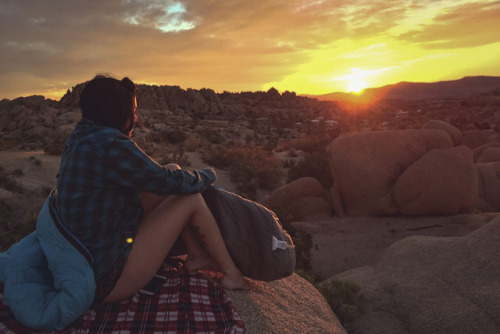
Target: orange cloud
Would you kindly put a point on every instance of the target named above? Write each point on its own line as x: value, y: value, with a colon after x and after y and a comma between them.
x: 297, y: 45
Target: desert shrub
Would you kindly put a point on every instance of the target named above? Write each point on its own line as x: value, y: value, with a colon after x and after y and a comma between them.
x: 18, y: 172
x: 292, y: 153
x: 217, y: 156
x: 257, y: 165
x: 177, y: 157
x: 192, y: 144
x: 173, y: 137
x: 7, y: 144
x: 56, y: 144
x: 314, y: 165
x: 18, y: 214
x: 309, y: 144
x: 249, y: 167
x: 345, y: 299
x: 18, y: 211
x: 9, y: 183
x: 303, y: 244
x: 288, y: 163
x: 211, y: 135
x: 306, y: 275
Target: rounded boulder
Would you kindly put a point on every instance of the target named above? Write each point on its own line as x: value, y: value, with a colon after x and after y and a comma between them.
x: 454, y: 133
x: 441, y: 182
x: 366, y: 166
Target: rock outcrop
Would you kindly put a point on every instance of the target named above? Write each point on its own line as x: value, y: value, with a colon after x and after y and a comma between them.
x: 475, y: 138
x: 414, y: 172
x: 489, y: 186
x: 345, y: 243
x: 478, y: 151
x: 441, y: 182
x: 300, y: 198
x: 425, y: 284
x: 491, y: 154
x: 454, y: 133
x: 290, y: 305
x: 366, y: 166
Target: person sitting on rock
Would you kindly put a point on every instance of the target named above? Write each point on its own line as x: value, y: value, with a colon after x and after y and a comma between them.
x: 126, y: 208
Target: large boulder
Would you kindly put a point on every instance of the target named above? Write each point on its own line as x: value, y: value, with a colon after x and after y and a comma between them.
x: 366, y: 166
x: 475, y: 138
x: 454, y: 133
x: 489, y: 186
x: 478, y: 151
x: 300, y: 198
x: 441, y: 182
x: 290, y: 305
x: 424, y: 284
x: 491, y: 154
x: 345, y: 243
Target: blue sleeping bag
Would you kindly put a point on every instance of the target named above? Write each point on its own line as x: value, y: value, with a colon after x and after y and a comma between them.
x: 48, y: 282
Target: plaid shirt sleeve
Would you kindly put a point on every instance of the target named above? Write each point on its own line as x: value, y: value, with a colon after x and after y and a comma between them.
x: 130, y: 166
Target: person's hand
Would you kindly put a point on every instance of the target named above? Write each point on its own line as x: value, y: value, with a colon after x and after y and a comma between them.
x: 173, y: 166
x: 210, y: 173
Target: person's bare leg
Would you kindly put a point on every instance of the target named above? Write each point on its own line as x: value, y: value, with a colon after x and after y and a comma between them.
x: 197, y: 257
x: 156, y: 235
x: 205, y: 229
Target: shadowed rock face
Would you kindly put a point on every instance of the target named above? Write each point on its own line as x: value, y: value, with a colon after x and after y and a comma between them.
x: 365, y: 167
x: 425, y: 284
x: 441, y: 182
x: 414, y: 172
x: 301, y: 198
x: 454, y: 133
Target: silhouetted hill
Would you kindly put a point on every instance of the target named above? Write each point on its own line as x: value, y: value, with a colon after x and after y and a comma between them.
x: 465, y: 87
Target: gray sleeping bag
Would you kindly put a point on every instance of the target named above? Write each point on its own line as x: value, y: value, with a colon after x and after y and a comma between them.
x: 254, y: 237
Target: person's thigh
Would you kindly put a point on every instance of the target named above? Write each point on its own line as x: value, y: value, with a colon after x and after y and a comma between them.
x: 151, y: 201
x: 155, y: 237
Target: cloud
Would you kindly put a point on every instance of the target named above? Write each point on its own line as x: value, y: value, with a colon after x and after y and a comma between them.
x: 192, y: 43
x: 460, y: 26
x: 224, y: 45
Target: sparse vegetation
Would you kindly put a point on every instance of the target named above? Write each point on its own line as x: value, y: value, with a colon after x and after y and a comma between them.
x: 56, y: 143
x: 315, y: 165
x: 345, y: 298
x: 18, y: 210
x: 250, y: 167
x: 173, y: 137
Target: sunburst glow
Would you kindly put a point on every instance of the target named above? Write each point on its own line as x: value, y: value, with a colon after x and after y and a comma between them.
x: 356, y: 85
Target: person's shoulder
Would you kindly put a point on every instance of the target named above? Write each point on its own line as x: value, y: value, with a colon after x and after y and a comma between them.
x: 101, y: 134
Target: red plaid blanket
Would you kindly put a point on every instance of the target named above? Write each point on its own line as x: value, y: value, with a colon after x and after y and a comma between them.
x: 187, y: 303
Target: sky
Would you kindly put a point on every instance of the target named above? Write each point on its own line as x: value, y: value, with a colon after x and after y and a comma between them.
x: 306, y: 46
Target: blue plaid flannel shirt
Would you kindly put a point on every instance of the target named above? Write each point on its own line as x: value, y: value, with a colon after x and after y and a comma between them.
x: 101, y: 175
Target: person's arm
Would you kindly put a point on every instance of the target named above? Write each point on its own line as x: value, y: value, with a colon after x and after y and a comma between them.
x: 130, y: 166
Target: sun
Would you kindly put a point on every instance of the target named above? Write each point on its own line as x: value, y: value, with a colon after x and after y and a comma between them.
x: 356, y: 81
x: 356, y: 85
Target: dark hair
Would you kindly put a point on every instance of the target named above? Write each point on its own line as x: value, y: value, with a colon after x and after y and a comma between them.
x: 110, y: 102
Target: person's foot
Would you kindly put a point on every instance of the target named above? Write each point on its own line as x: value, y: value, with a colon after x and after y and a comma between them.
x: 195, y: 263
x: 235, y: 282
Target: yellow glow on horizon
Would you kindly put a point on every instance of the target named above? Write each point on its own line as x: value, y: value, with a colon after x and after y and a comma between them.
x: 356, y: 86
x: 383, y: 61
x: 356, y: 81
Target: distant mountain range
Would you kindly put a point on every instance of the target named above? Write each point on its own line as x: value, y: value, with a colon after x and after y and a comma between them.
x: 465, y: 87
